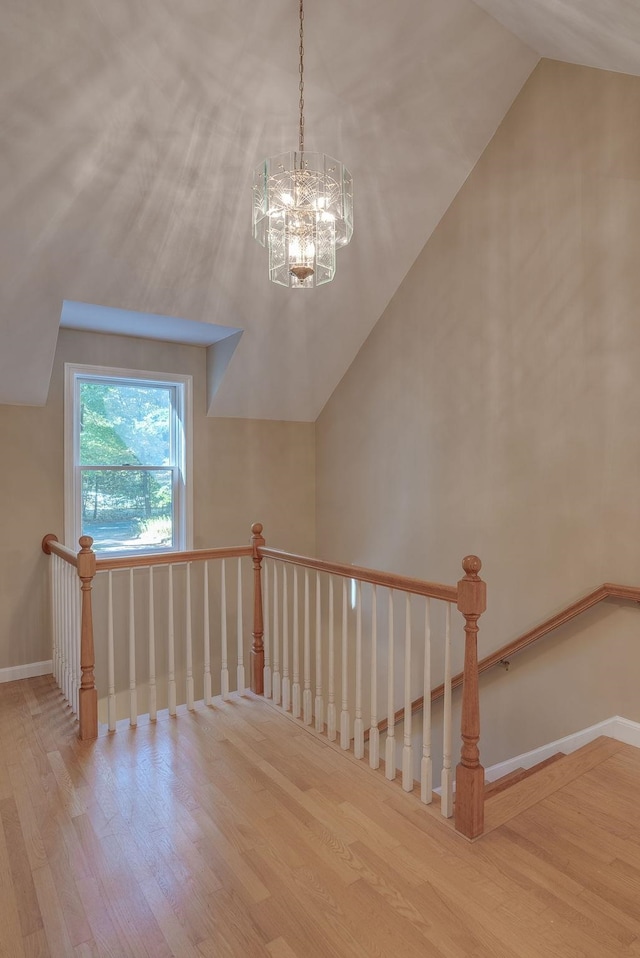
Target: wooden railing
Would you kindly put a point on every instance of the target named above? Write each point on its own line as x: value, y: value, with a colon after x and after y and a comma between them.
x: 303, y: 669
x: 73, y: 630
x: 338, y: 664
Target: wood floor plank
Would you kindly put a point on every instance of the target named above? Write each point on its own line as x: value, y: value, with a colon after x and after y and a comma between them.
x: 505, y: 806
x: 279, y: 948
x: 35, y: 945
x: 11, y: 939
x: 232, y: 831
x: 53, y: 917
x: 22, y: 880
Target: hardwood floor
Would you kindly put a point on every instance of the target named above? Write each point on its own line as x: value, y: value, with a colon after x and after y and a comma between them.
x: 232, y: 832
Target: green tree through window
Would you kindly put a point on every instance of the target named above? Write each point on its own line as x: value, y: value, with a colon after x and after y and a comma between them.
x: 130, y: 462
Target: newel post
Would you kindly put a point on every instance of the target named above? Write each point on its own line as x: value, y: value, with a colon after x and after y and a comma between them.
x: 472, y: 602
x: 88, y: 694
x: 257, y: 649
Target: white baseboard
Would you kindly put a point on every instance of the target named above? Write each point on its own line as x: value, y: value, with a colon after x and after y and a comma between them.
x: 29, y: 671
x: 621, y: 729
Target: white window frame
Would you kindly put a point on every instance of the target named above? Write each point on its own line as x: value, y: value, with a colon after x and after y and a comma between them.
x: 183, y: 487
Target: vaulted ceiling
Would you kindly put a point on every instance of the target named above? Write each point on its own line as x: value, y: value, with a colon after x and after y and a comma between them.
x: 130, y: 131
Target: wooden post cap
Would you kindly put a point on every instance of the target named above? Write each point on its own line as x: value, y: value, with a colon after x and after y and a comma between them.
x: 256, y: 529
x: 471, y: 566
x: 85, y: 543
x: 472, y: 591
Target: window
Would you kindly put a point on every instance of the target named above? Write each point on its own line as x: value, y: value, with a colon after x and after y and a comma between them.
x: 127, y: 439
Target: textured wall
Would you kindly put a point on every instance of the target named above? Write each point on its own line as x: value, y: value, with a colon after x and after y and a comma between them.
x: 243, y: 471
x: 495, y: 407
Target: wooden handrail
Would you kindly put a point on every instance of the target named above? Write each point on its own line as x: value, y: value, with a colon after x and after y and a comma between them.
x: 50, y: 544
x: 610, y: 590
x: 448, y: 593
x: 171, y: 558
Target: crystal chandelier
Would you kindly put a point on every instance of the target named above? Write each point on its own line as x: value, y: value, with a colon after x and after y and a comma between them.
x: 302, y: 208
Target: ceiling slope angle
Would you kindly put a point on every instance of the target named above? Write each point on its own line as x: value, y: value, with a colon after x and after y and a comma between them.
x: 130, y: 136
x: 596, y: 33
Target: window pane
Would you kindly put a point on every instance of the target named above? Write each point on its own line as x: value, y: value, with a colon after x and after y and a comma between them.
x: 125, y: 425
x: 128, y: 509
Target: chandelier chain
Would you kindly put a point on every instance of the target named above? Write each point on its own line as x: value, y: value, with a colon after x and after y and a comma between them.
x: 301, y: 69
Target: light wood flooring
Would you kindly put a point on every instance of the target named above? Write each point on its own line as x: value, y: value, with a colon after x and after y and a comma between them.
x: 232, y: 832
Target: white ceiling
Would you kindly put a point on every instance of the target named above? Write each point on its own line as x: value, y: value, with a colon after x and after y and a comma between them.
x: 130, y: 130
x: 596, y: 33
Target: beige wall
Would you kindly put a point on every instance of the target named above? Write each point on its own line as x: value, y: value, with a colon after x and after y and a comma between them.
x: 243, y: 471
x: 495, y: 408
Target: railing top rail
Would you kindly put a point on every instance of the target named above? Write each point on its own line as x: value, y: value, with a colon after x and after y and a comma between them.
x: 51, y: 545
x: 171, y: 558
x: 435, y: 590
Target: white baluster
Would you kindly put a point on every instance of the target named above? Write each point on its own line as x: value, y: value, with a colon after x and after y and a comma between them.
x: 189, y: 638
x: 53, y: 572
x: 306, y: 694
x: 331, y: 705
x: 266, y: 639
x: 358, y: 725
x: 345, y: 720
x: 390, y: 743
x: 75, y: 642
x: 59, y: 605
x: 72, y: 646
x: 65, y: 631
x: 224, y: 673
x: 111, y: 671
x: 52, y: 604
x: 153, y: 694
x: 74, y: 637
x: 286, y: 681
x: 241, y: 680
x: 407, y: 750
x: 374, y: 734
x: 171, y: 652
x: 133, y: 693
x: 277, y: 687
x: 76, y: 645
x: 446, y: 797
x: 319, y: 702
x: 295, y: 688
x: 68, y: 638
x: 60, y: 617
x: 206, y: 636
x: 61, y: 625
x: 426, y: 773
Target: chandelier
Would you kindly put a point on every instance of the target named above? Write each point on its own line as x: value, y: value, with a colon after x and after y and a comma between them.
x: 302, y: 208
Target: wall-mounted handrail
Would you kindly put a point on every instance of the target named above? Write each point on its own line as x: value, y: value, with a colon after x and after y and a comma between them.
x: 609, y: 590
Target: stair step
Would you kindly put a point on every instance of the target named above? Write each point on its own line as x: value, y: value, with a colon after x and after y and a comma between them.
x: 517, y: 775
x: 505, y: 805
